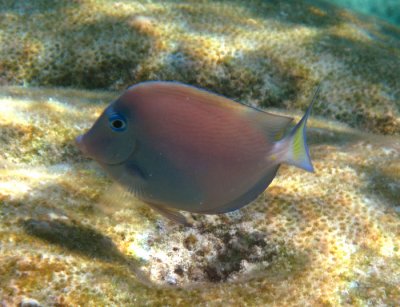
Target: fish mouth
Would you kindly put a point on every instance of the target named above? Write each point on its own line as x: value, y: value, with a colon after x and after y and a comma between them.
x: 80, y: 144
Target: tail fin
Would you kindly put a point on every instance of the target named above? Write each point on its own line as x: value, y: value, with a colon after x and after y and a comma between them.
x: 297, y: 150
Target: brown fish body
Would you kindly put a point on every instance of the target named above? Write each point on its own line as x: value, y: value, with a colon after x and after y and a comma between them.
x: 188, y: 149
x: 213, y: 145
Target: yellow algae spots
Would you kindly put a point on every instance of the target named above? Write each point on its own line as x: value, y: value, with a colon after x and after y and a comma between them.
x: 139, y: 247
x: 143, y: 24
x: 11, y: 111
x: 354, y: 32
x: 16, y: 183
x: 14, y: 189
x: 317, y: 11
x: 389, y: 247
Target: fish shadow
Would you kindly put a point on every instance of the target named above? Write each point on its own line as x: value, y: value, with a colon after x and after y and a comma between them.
x: 76, y: 238
x: 84, y: 241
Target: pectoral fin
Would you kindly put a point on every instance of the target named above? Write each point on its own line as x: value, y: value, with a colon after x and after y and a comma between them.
x: 113, y: 199
x: 133, y: 169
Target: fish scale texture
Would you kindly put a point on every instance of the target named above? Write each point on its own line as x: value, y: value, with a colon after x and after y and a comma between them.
x: 268, y: 53
x: 68, y: 238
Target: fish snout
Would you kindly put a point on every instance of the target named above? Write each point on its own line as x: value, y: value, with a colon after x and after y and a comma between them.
x: 81, y: 145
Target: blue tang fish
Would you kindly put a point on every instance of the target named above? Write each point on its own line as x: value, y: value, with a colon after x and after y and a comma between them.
x: 177, y: 147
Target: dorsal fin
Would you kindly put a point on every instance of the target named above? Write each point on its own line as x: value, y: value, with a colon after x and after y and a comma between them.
x: 273, y: 125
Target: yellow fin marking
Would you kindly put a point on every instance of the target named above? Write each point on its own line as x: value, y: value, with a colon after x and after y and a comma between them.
x: 298, y: 141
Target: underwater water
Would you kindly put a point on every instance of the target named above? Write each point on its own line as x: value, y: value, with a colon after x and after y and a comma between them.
x: 385, y: 9
x: 69, y: 236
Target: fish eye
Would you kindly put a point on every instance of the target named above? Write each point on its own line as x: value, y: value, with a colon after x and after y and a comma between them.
x: 117, y: 122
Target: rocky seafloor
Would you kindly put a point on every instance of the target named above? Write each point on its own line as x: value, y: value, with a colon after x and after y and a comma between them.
x: 69, y: 237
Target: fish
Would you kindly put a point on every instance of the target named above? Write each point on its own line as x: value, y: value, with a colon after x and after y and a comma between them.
x: 178, y: 148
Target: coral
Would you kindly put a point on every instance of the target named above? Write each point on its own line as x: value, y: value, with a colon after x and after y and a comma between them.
x: 314, y: 239
x: 264, y: 53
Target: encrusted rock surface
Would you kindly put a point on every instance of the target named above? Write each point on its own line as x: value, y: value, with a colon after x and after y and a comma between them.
x: 69, y: 237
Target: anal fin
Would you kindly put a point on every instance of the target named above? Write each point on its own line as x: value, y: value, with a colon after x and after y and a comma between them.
x: 171, y: 214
